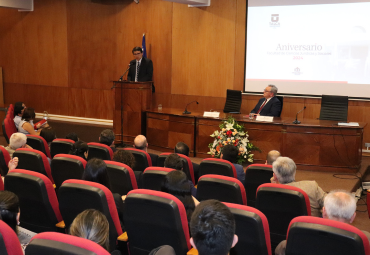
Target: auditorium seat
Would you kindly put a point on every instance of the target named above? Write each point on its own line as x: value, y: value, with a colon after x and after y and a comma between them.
x: 100, y: 151
x: 217, y: 166
x: 153, y: 177
x: 313, y: 235
x: 154, y: 218
x: 255, y: 175
x: 9, y: 242
x: 280, y: 204
x: 142, y: 159
x: 75, y: 196
x: 9, y: 127
x: 187, y: 165
x: 33, y: 160
x: 121, y: 177
x: 222, y: 188
x: 252, y: 229
x: 63, y: 244
x: 37, y: 200
x: 38, y: 143
x: 65, y: 167
x: 4, y: 160
x: 60, y: 146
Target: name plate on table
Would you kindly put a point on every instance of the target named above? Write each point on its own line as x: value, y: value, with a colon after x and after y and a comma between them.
x: 264, y: 118
x: 211, y: 114
x: 348, y: 124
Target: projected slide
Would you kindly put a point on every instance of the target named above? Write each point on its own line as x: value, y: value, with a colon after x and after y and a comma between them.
x: 325, y: 43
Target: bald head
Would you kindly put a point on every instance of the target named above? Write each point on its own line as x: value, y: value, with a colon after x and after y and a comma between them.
x: 340, y: 205
x: 140, y: 143
x: 272, y: 156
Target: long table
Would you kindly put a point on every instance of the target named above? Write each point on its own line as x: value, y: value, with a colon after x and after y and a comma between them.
x: 316, y: 145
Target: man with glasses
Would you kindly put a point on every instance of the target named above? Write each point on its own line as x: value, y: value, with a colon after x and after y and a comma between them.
x: 269, y: 105
x: 141, y: 69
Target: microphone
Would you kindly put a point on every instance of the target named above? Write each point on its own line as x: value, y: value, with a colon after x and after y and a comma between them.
x: 297, y: 121
x: 120, y: 78
x: 186, y: 107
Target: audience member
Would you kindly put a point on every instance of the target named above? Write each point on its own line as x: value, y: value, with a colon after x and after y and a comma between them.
x: 48, y: 133
x: 212, y: 228
x: 10, y: 213
x: 141, y: 143
x: 26, y: 125
x: 80, y: 149
x: 284, y: 170
x: 339, y: 205
x: 230, y: 153
x: 124, y: 157
x: 176, y: 183
x: 183, y: 148
x: 272, y: 156
x: 18, y: 112
x: 16, y: 141
x: 72, y: 136
x: 174, y: 161
x: 107, y: 137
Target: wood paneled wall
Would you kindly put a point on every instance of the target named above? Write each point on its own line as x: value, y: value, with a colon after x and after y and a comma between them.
x: 64, y: 56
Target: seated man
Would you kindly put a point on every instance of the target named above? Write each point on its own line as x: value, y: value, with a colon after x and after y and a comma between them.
x: 16, y: 141
x: 269, y: 105
x: 339, y: 206
x: 183, y: 148
x: 212, y: 227
x: 18, y: 112
x: 141, y: 143
x: 107, y: 137
x: 272, y: 156
x: 230, y: 153
x: 284, y: 170
x: 174, y: 161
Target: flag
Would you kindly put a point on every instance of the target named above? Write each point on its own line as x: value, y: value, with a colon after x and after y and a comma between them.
x: 143, y: 46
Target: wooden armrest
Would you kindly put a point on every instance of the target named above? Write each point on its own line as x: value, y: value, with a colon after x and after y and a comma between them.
x: 193, y: 251
x: 60, y: 224
x: 55, y: 186
x: 123, y: 237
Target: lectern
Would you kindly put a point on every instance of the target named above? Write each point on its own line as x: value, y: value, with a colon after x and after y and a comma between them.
x: 132, y: 99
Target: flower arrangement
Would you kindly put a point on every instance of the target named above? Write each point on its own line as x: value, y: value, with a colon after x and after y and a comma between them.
x: 232, y: 133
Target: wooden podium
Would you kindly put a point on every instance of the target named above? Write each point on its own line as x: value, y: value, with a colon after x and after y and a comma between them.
x: 132, y: 99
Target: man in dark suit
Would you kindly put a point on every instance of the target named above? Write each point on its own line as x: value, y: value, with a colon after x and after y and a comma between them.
x: 141, y: 69
x: 269, y: 105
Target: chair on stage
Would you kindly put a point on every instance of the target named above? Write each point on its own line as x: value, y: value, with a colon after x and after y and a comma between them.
x: 233, y: 101
x: 217, y: 166
x: 4, y: 160
x: 100, y: 151
x: 154, y: 176
x: 142, y: 159
x: 60, y: 146
x: 9, y: 242
x: 187, y: 165
x: 334, y: 108
x: 256, y: 175
x: 281, y: 99
x: 121, y: 177
x: 38, y: 143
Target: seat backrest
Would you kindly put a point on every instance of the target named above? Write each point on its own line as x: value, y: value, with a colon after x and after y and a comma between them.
x: 312, y: 235
x: 187, y: 164
x: 38, y: 143
x: 75, y: 196
x: 233, y: 101
x: 217, y: 166
x: 142, y: 159
x: 33, y: 160
x: 222, y: 188
x: 165, y: 224
x: 99, y: 150
x: 252, y: 229
x: 65, y: 167
x: 334, y: 108
x: 60, y: 146
x: 153, y: 177
x: 9, y: 242
x: 4, y: 160
x: 280, y: 204
x: 37, y: 199
x: 281, y: 99
x: 63, y: 244
x: 4, y: 131
x: 121, y: 177
x: 255, y: 175
x: 9, y: 127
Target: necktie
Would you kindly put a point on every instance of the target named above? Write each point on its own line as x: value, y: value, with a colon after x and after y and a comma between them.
x: 262, y: 106
x: 137, y: 71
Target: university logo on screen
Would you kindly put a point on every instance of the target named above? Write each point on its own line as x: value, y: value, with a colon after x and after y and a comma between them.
x: 297, y: 71
x: 274, y: 22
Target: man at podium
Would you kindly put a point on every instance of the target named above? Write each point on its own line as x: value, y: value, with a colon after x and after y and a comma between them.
x: 141, y: 69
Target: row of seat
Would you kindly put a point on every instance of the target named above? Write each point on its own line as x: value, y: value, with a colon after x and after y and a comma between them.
x: 8, y: 123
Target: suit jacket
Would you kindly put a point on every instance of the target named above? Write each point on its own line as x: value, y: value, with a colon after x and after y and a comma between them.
x: 145, y: 71
x: 272, y: 108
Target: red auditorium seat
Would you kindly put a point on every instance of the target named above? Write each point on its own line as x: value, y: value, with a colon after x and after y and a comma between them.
x: 188, y: 165
x: 60, y: 146
x: 9, y: 243
x: 217, y: 166
x: 121, y: 177
x: 38, y: 143
x: 153, y: 177
x: 100, y: 151
x: 4, y: 160
x: 142, y: 159
x: 255, y: 175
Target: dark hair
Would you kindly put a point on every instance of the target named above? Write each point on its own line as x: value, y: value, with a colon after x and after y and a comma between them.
x: 174, y: 161
x: 137, y: 49
x: 212, y: 227
x: 107, y: 137
x: 230, y: 153
x: 18, y: 107
x: 73, y: 136
x: 48, y: 134
x: 96, y: 171
x: 182, y: 148
x: 176, y: 183
x: 124, y: 157
x: 79, y: 148
x: 29, y: 114
x: 9, y: 208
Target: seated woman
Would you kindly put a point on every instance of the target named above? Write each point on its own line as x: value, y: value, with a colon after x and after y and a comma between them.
x: 80, y: 149
x: 9, y: 212
x: 124, y: 157
x: 26, y: 124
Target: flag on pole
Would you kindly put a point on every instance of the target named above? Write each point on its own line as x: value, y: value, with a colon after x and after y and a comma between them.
x: 143, y: 46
